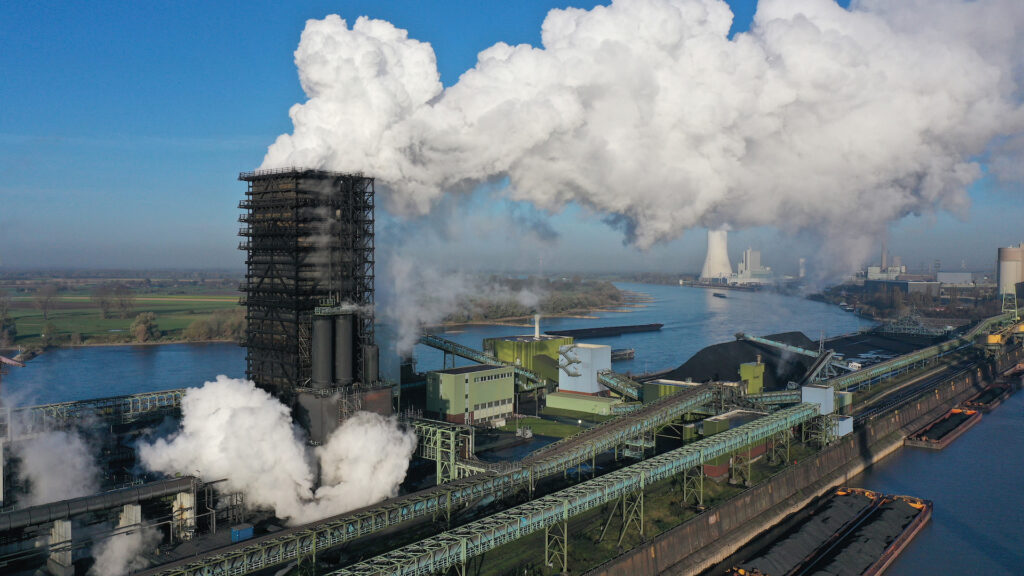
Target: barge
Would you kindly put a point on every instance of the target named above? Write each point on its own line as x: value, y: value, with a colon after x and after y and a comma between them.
x: 619, y: 354
x: 606, y: 331
x: 988, y: 399
x: 941, y: 433
x: 851, y: 531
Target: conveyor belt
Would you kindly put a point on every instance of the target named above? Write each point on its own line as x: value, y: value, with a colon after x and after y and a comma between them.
x: 455, y: 547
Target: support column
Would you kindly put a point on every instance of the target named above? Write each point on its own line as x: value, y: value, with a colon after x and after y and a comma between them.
x: 556, y: 543
x: 556, y: 546
x: 59, y: 562
x: 131, y: 515
x: 693, y: 486
x: 183, y: 516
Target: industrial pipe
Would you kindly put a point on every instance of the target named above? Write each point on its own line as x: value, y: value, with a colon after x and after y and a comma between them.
x: 45, y: 513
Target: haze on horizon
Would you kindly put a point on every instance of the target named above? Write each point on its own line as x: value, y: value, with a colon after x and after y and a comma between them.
x: 126, y: 128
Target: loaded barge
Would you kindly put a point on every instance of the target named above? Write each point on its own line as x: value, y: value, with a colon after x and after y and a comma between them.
x: 988, y: 399
x: 606, y: 331
x: 941, y: 433
x: 851, y: 531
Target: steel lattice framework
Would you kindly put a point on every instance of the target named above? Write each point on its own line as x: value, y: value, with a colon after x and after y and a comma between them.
x: 455, y: 547
x: 907, y: 362
x: 309, y: 239
x: 440, y: 501
x: 115, y: 409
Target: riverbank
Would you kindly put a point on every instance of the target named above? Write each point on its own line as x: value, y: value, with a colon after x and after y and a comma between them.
x: 699, y: 544
x: 28, y: 354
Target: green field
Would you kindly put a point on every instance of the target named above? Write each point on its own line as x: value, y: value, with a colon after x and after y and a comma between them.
x: 73, y: 314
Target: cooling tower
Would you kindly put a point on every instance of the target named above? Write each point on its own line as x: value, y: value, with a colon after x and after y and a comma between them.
x: 1011, y: 268
x: 716, y: 264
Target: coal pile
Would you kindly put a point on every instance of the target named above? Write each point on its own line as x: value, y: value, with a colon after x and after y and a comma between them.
x: 864, y: 546
x: 802, y: 539
x: 721, y: 362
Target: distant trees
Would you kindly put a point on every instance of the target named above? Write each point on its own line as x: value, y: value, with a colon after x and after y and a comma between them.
x: 113, y: 297
x: 221, y: 325
x: 144, y: 327
x: 44, y: 297
x: 8, y: 330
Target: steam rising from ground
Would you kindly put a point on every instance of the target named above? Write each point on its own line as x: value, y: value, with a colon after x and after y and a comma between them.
x: 231, y: 429
x: 819, y: 119
x: 57, y: 466
x: 419, y: 295
x: 122, y: 553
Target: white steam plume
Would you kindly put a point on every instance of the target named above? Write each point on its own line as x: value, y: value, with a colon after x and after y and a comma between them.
x: 818, y: 119
x: 231, y: 429
x: 418, y: 294
x: 57, y: 465
x: 121, y: 554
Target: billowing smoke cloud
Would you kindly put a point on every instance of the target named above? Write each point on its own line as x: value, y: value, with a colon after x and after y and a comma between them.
x: 122, y: 553
x: 56, y: 466
x: 418, y: 295
x: 818, y: 119
x: 231, y: 429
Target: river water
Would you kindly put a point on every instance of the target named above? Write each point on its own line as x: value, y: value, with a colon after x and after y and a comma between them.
x: 976, y: 483
x: 977, y: 487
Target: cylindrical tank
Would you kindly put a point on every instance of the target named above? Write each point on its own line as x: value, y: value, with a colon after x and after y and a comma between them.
x: 322, y: 344
x: 343, y: 349
x: 370, y: 363
x: 1011, y: 268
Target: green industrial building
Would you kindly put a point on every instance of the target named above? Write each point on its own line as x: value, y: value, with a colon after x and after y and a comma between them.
x: 752, y: 375
x: 476, y: 394
x: 539, y: 354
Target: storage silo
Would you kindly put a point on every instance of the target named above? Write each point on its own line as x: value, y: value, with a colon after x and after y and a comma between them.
x: 1010, y: 268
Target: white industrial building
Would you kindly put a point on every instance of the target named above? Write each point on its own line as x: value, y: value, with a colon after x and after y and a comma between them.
x: 579, y: 365
x: 750, y: 271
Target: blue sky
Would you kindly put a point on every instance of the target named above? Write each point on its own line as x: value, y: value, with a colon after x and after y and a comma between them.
x: 125, y: 124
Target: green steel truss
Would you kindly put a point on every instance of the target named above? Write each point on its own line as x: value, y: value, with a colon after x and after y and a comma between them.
x: 117, y: 409
x: 525, y: 379
x: 776, y: 398
x: 902, y: 364
x: 455, y: 547
x: 440, y: 501
x: 619, y: 383
x: 444, y: 443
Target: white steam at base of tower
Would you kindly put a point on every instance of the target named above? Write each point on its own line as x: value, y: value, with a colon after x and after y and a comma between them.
x: 819, y: 119
x: 231, y: 429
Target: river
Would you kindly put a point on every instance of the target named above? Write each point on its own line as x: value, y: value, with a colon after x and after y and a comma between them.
x: 975, y: 483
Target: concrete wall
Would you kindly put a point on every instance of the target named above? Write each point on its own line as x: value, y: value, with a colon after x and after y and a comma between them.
x: 701, y: 542
x: 592, y: 358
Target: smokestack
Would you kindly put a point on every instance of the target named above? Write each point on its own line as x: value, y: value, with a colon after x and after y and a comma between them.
x: 885, y: 255
x: 716, y: 264
x: 536, y: 326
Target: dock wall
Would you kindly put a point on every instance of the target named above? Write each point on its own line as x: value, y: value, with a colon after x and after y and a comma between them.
x: 710, y: 538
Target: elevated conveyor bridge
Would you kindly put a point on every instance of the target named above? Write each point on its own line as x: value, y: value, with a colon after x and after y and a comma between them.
x: 525, y: 379
x: 28, y: 420
x: 440, y: 501
x: 551, y: 513
x: 901, y: 364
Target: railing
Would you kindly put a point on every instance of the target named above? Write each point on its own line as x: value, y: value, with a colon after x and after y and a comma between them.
x: 455, y: 547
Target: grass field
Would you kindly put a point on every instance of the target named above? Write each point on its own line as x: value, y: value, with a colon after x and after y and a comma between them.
x: 75, y: 314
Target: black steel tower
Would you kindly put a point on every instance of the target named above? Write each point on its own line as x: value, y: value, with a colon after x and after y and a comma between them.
x: 308, y: 236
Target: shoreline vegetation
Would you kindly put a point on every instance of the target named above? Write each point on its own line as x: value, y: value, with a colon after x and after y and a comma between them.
x: 39, y: 313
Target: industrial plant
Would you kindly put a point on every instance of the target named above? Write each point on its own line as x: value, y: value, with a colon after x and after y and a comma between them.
x: 729, y: 436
